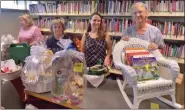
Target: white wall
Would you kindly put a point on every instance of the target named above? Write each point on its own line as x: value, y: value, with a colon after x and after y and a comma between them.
x: 9, y: 22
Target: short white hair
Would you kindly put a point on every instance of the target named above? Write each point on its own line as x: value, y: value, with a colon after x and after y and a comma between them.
x: 138, y: 3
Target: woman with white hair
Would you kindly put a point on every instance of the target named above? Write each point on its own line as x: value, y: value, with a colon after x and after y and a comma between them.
x: 28, y: 33
x: 141, y: 29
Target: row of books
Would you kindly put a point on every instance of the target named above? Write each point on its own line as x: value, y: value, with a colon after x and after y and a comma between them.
x: 173, y: 50
x: 109, y: 7
x: 123, y: 7
x: 173, y: 30
x: 46, y: 7
x: 170, y: 29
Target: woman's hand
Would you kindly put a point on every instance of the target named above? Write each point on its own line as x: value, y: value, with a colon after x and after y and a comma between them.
x: 33, y: 43
x: 126, y: 38
x: 152, y: 46
x: 107, y: 61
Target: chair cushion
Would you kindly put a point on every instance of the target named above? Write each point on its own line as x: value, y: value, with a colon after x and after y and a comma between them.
x: 151, y: 86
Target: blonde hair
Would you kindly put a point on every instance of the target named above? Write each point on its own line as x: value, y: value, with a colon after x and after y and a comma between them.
x: 28, y: 19
x: 138, y: 3
x: 58, y: 21
x: 101, y: 30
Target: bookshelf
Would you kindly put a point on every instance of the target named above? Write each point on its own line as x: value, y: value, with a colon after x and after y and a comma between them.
x: 157, y: 14
x: 118, y: 34
x: 78, y: 11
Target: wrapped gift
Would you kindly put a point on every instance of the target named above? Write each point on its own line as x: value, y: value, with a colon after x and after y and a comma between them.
x: 9, y: 70
x: 36, y: 73
x: 68, y: 67
x: 6, y: 41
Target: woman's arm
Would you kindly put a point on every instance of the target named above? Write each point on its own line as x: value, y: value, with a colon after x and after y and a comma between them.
x: 109, y: 45
x: 125, y: 35
x: 159, y: 40
x: 107, y: 60
x: 37, y: 36
x: 83, y: 43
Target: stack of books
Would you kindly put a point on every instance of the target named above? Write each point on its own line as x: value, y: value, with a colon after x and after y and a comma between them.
x: 144, y: 63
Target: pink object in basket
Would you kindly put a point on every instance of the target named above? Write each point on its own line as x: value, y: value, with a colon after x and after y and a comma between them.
x: 11, y: 75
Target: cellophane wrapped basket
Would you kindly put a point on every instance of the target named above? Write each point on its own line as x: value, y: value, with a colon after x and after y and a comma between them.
x: 68, y: 83
x: 6, y: 41
x: 36, y: 74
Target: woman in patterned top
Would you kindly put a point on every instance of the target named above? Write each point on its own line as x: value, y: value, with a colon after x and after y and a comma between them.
x: 29, y: 33
x: 96, y: 43
x: 142, y: 29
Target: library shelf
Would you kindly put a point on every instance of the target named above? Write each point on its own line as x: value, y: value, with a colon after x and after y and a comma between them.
x: 162, y: 14
x: 118, y: 34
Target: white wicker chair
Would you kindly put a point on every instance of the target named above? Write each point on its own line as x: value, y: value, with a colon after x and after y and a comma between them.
x: 165, y: 85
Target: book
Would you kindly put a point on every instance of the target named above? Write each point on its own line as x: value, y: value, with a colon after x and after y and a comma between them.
x: 145, y: 66
x: 129, y: 52
x: 130, y: 55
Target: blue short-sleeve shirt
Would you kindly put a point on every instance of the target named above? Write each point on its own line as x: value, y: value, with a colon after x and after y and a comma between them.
x: 152, y: 34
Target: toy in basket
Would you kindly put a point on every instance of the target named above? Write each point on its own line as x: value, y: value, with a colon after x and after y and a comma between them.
x: 37, y: 75
x: 68, y: 67
x: 9, y: 70
x: 97, y: 74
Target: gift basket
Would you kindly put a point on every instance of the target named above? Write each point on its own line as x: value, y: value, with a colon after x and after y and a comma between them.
x: 68, y: 67
x: 6, y: 41
x: 9, y: 70
x: 36, y: 74
x: 97, y: 74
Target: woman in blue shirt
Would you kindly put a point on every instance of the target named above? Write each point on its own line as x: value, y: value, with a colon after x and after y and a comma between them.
x: 57, y: 28
x: 142, y: 29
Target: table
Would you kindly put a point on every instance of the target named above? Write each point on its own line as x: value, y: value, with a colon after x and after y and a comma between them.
x: 106, y: 96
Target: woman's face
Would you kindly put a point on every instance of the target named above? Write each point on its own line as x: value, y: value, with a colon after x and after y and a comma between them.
x: 57, y: 30
x: 139, y: 13
x: 23, y: 22
x: 95, y: 22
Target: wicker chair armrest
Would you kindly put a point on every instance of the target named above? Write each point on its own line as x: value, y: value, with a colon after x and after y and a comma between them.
x: 172, y: 65
x: 128, y: 72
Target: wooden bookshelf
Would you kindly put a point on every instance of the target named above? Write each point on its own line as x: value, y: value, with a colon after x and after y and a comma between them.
x: 115, y: 71
x: 118, y: 34
x: 162, y: 14
x: 56, y: 15
x: 179, y: 60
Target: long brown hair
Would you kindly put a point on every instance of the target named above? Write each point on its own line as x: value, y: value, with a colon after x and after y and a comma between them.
x: 101, y: 30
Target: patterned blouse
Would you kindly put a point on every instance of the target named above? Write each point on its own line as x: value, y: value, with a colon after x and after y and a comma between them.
x: 95, y: 50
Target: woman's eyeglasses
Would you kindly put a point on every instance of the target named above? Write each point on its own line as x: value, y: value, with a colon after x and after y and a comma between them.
x: 139, y: 12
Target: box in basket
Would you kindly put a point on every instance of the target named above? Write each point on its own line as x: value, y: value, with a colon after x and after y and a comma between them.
x: 134, y: 51
x: 146, y: 66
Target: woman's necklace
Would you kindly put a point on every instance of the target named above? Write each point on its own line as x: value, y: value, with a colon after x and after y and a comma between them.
x: 93, y: 35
